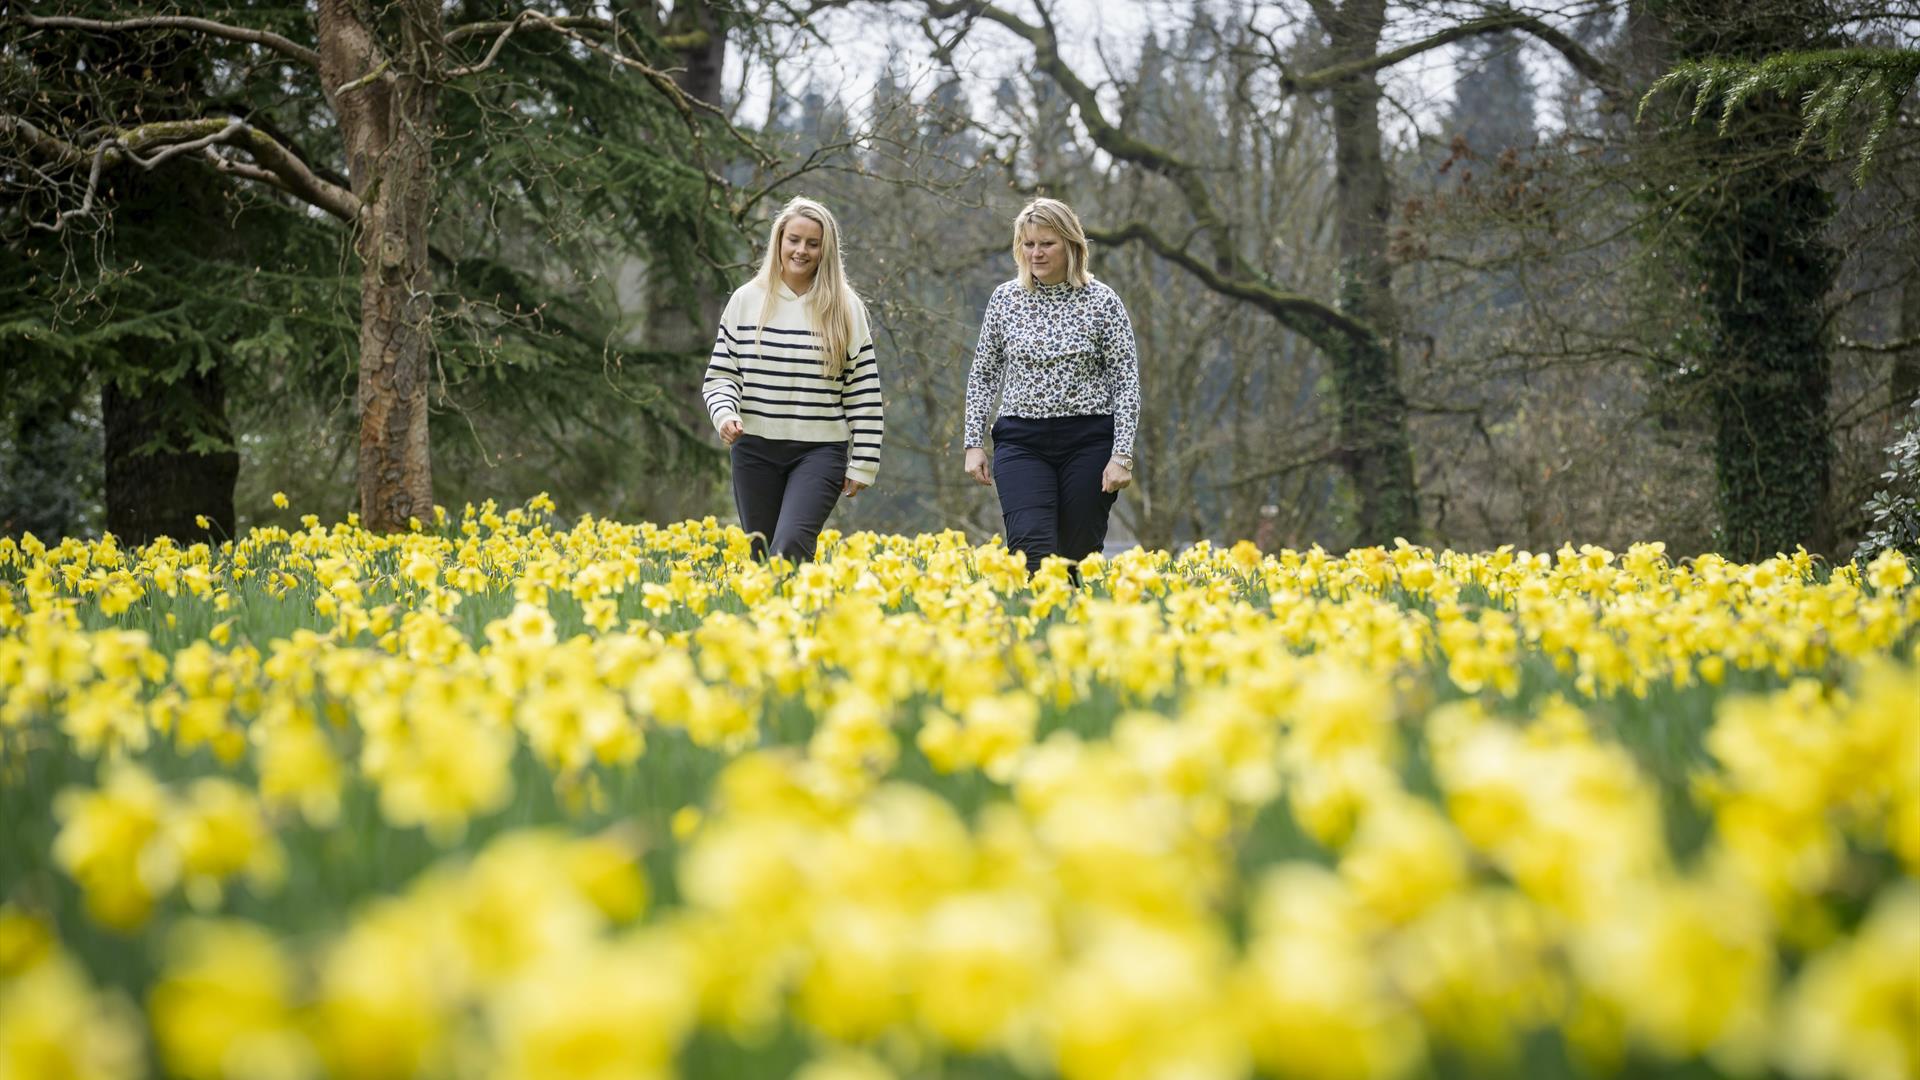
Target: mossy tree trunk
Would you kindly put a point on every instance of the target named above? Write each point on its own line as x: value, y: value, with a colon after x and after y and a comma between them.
x: 1372, y: 410
x: 1749, y: 215
x: 1903, y: 385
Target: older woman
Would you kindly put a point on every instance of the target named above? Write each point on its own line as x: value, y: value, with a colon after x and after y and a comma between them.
x: 1059, y: 347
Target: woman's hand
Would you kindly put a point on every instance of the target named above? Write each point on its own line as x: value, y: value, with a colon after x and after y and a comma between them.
x: 1115, y: 476
x: 977, y: 466
x: 730, y: 430
x: 852, y: 487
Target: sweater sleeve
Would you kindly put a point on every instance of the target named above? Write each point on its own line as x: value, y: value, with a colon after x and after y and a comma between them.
x: 989, y: 365
x: 865, y: 408
x: 721, y: 388
x: 1120, y: 357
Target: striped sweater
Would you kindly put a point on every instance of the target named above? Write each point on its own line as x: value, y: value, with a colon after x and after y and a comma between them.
x: 769, y: 379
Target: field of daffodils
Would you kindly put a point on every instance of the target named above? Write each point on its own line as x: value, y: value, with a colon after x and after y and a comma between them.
x: 510, y: 796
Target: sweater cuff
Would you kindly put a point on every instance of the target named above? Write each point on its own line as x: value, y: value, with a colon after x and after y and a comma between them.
x: 862, y: 472
x: 722, y: 415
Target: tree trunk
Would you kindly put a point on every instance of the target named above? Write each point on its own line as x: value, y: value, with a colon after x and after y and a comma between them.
x: 385, y: 100
x: 1770, y: 391
x: 1372, y: 421
x: 703, y: 59
x: 157, y: 492
x: 681, y: 316
x: 1904, y: 385
x: 1749, y: 213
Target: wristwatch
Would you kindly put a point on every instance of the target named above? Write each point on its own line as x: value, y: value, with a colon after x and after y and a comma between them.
x: 1125, y: 461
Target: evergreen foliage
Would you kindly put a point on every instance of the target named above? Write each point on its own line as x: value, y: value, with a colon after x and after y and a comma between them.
x: 556, y: 173
x: 1828, y: 84
x: 1746, y: 216
x: 1895, y: 509
x: 49, y: 472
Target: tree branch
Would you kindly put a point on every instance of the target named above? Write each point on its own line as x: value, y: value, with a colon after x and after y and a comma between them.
x: 1896, y: 345
x: 20, y: 130
x: 301, y: 182
x: 1106, y: 135
x: 284, y: 46
x: 174, y: 138
x: 1320, y: 323
x: 1229, y: 274
x: 1597, y: 71
x: 570, y: 26
x: 506, y: 28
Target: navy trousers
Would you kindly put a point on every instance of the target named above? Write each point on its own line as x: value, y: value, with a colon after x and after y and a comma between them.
x: 1048, y: 475
x: 784, y: 490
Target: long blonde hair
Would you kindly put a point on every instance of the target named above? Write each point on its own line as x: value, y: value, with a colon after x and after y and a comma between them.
x: 1053, y: 214
x: 832, y: 306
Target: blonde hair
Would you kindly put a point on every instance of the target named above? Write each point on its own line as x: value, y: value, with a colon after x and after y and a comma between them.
x: 832, y: 306
x: 1053, y: 214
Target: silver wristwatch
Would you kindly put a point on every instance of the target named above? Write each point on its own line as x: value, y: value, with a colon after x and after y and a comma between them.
x: 1125, y: 461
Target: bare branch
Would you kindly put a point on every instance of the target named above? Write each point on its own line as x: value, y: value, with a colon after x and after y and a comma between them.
x: 692, y: 39
x: 1609, y: 79
x: 284, y: 46
x: 1896, y: 345
x: 85, y: 209
x: 811, y: 163
x: 233, y: 126
x: 299, y: 180
x: 505, y: 27
x: 379, y: 71
x: 1109, y: 137
x: 1364, y: 65
x: 18, y: 129
x: 1318, y: 322
x: 243, y: 170
x: 493, y: 52
x: 174, y: 138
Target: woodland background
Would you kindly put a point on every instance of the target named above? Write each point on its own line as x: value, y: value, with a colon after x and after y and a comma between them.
x: 1446, y: 271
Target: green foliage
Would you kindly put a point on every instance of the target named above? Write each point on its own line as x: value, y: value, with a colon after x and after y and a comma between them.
x: 1743, y: 215
x: 1895, y: 508
x: 50, y: 472
x: 1833, y: 86
x: 557, y: 175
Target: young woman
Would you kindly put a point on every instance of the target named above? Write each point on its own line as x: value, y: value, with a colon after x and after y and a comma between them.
x: 793, y: 388
x: 1059, y: 347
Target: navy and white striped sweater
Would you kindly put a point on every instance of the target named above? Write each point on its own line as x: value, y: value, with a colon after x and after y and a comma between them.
x: 770, y: 380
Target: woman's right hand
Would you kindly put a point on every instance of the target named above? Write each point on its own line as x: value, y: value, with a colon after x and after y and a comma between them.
x: 977, y: 466
x: 730, y: 430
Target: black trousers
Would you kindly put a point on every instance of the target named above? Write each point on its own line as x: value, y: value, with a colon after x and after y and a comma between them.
x: 784, y: 490
x: 1048, y: 475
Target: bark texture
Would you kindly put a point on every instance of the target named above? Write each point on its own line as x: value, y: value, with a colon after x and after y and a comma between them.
x: 382, y: 77
x: 677, y: 322
x: 1372, y: 411
x: 1904, y: 384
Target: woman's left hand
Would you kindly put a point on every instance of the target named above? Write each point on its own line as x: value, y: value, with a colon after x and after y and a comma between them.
x: 852, y: 487
x: 1115, y: 477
